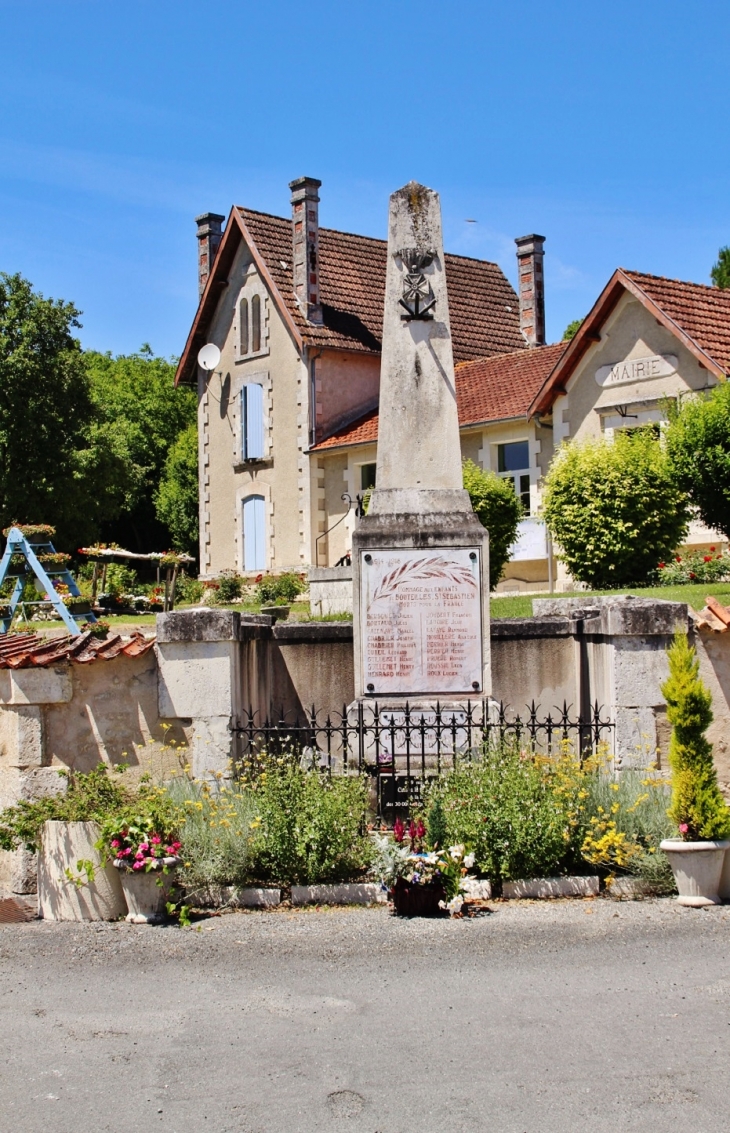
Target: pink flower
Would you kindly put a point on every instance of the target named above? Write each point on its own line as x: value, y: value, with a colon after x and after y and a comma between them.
x: 683, y: 828
x: 138, y: 865
x: 155, y: 839
x: 115, y: 843
x: 399, y: 830
x: 144, y: 846
x: 139, y: 856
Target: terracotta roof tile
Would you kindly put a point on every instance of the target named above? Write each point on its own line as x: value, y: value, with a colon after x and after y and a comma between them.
x: 700, y: 310
x: 483, y: 306
x: 487, y: 389
x: 29, y: 650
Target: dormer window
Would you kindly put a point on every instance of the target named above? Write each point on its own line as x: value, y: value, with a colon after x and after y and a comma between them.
x: 252, y: 332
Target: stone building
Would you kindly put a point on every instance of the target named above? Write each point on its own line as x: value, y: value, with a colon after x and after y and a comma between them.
x: 288, y: 423
x: 297, y: 313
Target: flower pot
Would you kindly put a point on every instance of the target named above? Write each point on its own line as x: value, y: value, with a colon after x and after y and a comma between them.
x: 146, y: 899
x: 417, y: 900
x: 697, y: 868
x: 93, y: 895
x: 725, y: 878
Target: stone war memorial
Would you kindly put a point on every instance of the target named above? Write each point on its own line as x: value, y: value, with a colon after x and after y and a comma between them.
x: 420, y: 555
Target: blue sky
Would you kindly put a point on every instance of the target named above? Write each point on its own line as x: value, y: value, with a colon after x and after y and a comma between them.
x: 602, y: 126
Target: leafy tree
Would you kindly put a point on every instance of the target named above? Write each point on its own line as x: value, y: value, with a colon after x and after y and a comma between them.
x: 698, y: 444
x: 571, y: 330
x: 139, y: 417
x: 498, y: 509
x: 615, y: 508
x: 177, y: 499
x: 697, y: 807
x: 46, y: 410
x: 720, y: 273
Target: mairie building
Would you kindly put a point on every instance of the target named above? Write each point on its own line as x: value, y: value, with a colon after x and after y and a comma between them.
x: 288, y: 420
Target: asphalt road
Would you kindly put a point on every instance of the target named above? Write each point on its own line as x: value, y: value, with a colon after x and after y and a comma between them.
x: 559, y: 1016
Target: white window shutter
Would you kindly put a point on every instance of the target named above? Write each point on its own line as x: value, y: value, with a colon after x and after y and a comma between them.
x: 253, y: 421
x: 254, y: 533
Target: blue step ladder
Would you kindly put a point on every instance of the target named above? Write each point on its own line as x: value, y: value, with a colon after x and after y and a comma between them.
x: 17, y: 545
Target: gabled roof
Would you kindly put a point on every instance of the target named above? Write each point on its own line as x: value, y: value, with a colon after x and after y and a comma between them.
x: 500, y: 388
x: 698, y: 315
x: 483, y: 306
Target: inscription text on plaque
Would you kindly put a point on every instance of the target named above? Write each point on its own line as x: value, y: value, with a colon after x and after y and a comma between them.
x: 422, y: 621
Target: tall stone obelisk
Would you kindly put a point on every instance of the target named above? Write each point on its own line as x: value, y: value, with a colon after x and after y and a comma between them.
x: 420, y: 555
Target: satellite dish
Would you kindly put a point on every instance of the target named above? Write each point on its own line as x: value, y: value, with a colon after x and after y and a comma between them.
x: 209, y: 356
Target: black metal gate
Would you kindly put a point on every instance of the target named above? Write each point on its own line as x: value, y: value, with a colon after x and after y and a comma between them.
x: 402, y: 748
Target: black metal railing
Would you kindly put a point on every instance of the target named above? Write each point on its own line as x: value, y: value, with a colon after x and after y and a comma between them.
x: 401, y: 748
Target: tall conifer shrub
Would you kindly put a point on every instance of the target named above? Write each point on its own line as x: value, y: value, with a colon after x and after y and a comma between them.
x: 697, y: 806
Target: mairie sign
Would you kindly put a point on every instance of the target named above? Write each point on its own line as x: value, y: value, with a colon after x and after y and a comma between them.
x: 636, y: 370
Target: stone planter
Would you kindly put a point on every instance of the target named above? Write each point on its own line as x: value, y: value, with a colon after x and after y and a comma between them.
x: 697, y: 868
x: 63, y: 846
x: 147, y: 892
x: 418, y: 900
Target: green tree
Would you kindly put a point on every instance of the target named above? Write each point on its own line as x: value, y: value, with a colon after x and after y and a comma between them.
x: 571, y: 330
x: 177, y: 498
x: 498, y: 509
x: 720, y: 273
x: 46, y: 410
x: 698, y: 444
x: 697, y: 806
x: 139, y: 417
x: 614, y: 508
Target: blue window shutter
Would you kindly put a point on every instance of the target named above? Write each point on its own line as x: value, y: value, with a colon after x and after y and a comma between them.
x: 253, y: 421
x: 254, y: 533
x: 243, y: 422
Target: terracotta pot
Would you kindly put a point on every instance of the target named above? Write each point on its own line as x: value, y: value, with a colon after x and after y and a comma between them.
x: 417, y: 900
x: 147, y: 893
x: 697, y: 867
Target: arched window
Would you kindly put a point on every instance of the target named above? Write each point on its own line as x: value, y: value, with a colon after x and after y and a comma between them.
x: 255, y: 324
x: 243, y: 326
x: 254, y: 533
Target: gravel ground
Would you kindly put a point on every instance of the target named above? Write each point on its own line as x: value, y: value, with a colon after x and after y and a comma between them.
x: 536, y: 1017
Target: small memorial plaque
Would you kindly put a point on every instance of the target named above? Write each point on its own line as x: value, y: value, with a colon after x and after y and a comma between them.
x: 422, y: 621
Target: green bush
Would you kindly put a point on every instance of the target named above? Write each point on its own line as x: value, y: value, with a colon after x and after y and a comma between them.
x: 230, y: 587
x: 614, y: 508
x: 517, y: 813
x: 119, y: 579
x: 216, y: 825
x: 280, y: 590
x: 697, y: 807
x: 89, y: 797
x: 311, y: 826
x: 498, y: 509
x: 188, y: 589
x: 698, y: 444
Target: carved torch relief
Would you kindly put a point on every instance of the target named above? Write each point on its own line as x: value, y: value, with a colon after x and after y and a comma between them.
x: 422, y: 622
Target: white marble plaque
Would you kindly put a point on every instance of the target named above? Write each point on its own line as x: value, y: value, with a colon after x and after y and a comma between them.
x: 421, y: 621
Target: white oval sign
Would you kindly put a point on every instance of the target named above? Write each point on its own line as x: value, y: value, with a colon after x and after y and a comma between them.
x: 636, y: 370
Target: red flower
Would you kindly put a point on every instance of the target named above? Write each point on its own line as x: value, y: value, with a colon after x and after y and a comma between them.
x: 399, y: 830
x: 678, y: 559
x: 713, y: 548
x: 707, y: 558
x: 662, y: 566
x: 691, y: 575
x: 420, y: 829
x: 259, y: 577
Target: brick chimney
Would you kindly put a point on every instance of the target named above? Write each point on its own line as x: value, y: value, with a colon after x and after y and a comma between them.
x: 305, y: 245
x: 531, y: 288
x: 209, y: 238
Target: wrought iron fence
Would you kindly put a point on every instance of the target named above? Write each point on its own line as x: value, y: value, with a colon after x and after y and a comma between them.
x: 401, y: 748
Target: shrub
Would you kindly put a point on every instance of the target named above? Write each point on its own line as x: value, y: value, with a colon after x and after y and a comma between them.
x: 498, y: 509
x: 279, y: 591
x: 230, y: 587
x: 216, y: 825
x: 694, y: 566
x: 188, y: 589
x: 89, y: 797
x: 698, y: 444
x: 120, y: 580
x: 625, y: 820
x: 311, y: 825
x: 614, y: 508
x: 516, y: 812
x: 697, y: 807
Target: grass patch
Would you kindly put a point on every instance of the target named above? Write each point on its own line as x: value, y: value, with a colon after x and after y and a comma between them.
x: 694, y: 594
